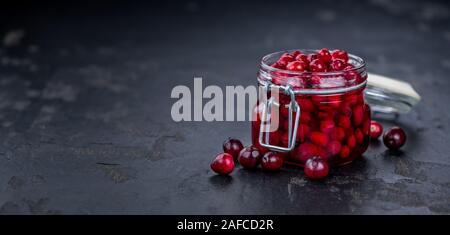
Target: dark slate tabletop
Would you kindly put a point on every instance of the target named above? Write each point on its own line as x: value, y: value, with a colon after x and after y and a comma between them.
x: 85, y: 123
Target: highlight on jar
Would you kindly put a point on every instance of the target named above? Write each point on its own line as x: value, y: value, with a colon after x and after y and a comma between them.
x: 317, y: 110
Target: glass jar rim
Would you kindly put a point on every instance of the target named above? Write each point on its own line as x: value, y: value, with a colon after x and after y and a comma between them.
x: 264, y: 65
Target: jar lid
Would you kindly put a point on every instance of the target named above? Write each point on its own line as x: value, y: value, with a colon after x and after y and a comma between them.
x: 390, y: 95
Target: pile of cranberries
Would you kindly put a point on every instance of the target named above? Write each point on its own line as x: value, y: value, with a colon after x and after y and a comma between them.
x: 322, y: 61
x: 248, y: 157
x: 315, y: 167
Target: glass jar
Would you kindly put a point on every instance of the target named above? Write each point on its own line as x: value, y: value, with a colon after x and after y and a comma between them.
x: 306, y: 114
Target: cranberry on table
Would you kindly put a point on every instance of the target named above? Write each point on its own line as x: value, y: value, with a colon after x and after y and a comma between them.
x: 232, y: 147
x: 316, y: 168
x: 223, y: 164
x: 249, y: 157
x: 376, y: 129
x: 272, y: 161
x: 394, y: 138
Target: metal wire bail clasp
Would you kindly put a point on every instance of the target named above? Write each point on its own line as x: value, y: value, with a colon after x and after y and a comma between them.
x: 266, y: 118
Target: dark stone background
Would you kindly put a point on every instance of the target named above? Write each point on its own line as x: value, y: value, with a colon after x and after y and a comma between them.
x: 85, y: 122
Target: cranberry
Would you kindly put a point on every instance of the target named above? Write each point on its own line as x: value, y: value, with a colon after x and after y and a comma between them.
x: 312, y: 57
x: 324, y: 55
x: 223, y: 164
x: 317, y: 65
x: 338, y: 134
x: 337, y: 65
x: 302, y: 132
x: 272, y: 161
x: 358, y: 113
x: 344, y: 121
x: 316, y: 168
x: 326, y: 126
x: 319, y: 138
x: 277, y: 65
x: 249, y: 157
x: 349, y: 67
x: 345, y: 152
x: 298, y: 66
x: 334, y: 147
x: 305, y: 117
x: 305, y: 104
x: 376, y: 129
x: 352, y: 77
x: 351, y: 141
x: 296, y: 53
x: 314, y: 81
x: 394, y: 138
x: 232, y: 147
x: 285, y: 139
x: 340, y: 54
x: 305, y: 151
x: 302, y: 57
x: 285, y: 59
x: 359, y: 136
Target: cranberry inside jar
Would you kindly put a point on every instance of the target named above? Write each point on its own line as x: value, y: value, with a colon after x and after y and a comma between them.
x: 308, y: 113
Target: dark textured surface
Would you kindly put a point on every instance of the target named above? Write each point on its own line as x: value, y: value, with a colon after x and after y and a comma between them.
x: 85, y: 107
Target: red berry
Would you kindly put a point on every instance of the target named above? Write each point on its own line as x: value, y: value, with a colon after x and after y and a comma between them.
x: 305, y: 104
x: 324, y: 55
x: 312, y: 57
x: 284, y: 111
x: 232, y: 147
x: 352, y: 77
x: 344, y: 121
x: 340, y: 54
x: 394, y: 138
x: 317, y: 65
x: 316, y: 168
x: 298, y: 66
x: 302, y: 132
x: 345, y: 152
x: 376, y: 129
x: 319, y: 138
x: 285, y: 59
x: 334, y: 147
x: 305, y: 151
x: 284, y: 139
x: 351, y: 141
x: 249, y: 157
x: 349, y: 67
x: 296, y: 53
x: 272, y: 161
x: 314, y: 81
x: 359, y: 136
x: 305, y: 117
x: 278, y: 66
x: 326, y: 126
x: 337, y: 65
x: 338, y: 134
x: 223, y: 164
x: 302, y: 57
x: 358, y: 113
